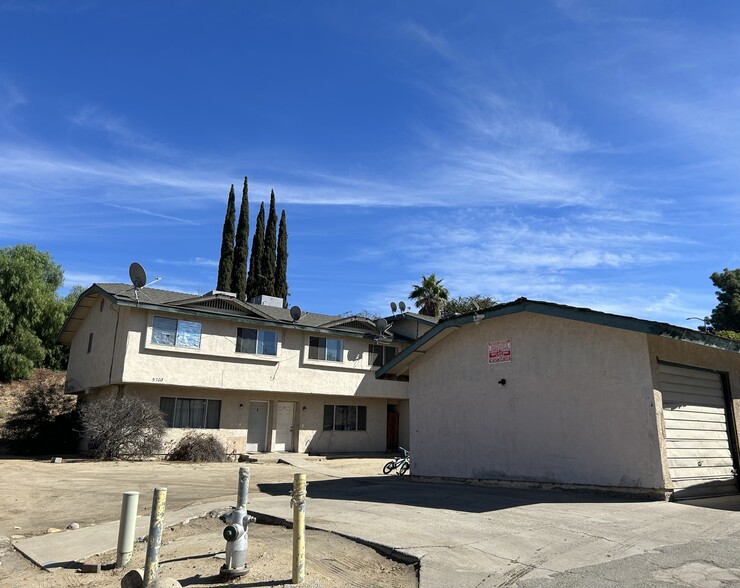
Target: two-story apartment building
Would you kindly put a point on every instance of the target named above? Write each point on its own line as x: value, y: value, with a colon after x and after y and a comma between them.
x: 257, y: 376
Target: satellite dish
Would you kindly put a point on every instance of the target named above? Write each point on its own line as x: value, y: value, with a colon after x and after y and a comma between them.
x: 402, y: 306
x: 393, y: 307
x: 137, y: 274
x: 381, y: 324
x: 296, y: 313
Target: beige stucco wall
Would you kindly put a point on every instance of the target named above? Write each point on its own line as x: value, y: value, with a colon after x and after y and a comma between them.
x: 216, y: 364
x: 577, y: 406
x: 697, y: 356
x: 87, y: 370
x: 309, y: 414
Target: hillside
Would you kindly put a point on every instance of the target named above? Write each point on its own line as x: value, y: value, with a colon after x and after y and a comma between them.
x: 10, y: 393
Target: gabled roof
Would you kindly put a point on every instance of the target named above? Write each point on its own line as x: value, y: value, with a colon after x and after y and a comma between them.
x: 412, y: 316
x: 219, y: 305
x: 399, y: 364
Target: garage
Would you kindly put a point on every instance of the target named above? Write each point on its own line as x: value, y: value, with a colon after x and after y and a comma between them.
x: 697, y: 435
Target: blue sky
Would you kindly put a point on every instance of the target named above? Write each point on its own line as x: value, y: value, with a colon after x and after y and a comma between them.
x: 577, y: 152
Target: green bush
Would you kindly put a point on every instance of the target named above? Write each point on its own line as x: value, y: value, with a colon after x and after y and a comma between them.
x: 45, y: 421
x: 198, y: 447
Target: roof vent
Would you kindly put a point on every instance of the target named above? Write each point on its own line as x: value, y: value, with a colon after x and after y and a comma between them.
x: 221, y: 293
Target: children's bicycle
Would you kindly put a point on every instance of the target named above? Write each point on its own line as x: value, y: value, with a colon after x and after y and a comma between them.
x: 401, y: 464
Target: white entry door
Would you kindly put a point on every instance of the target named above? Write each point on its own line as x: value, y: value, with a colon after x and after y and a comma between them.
x: 284, y: 426
x: 257, y: 426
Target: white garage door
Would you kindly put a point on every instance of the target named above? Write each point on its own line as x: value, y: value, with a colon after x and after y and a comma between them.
x: 697, y: 440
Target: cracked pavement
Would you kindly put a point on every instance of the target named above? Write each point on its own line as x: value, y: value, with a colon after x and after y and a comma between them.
x: 480, y: 537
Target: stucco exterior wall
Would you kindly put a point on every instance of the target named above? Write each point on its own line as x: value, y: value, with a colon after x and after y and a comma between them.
x: 216, y: 364
x: 577, y: 406
x: 309, y: 412
x: 93, y: 369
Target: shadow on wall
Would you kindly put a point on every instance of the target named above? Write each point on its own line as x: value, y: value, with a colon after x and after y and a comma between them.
x: 460, y: 497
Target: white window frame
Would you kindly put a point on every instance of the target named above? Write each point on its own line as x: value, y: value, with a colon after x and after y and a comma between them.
x: 259, y: 341
x: 178, y: 341
x: 325, y: 348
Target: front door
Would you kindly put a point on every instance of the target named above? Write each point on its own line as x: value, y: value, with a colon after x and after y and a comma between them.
x: 257, y: 426
x: 284, y: 426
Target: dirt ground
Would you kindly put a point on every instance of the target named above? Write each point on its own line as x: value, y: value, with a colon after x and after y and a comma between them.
x: 88, y: 492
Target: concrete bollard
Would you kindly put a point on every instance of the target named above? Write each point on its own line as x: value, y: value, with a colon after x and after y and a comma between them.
x: 127, y: 528
x: 151, y: 567
x: 298, y: 500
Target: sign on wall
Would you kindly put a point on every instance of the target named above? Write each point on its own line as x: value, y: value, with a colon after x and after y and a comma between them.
x: 499, y: 351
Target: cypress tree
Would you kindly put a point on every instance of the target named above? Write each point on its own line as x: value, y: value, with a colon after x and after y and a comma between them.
x: 241, y: 249
x: 267, y: 267
x: 281, y: 268
x: 258, y: 242
x: 226, y: 262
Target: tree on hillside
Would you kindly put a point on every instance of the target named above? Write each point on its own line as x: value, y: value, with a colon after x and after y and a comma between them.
x: 255, y: 260
x: 267, y: 267
x: 726, y: 315
x: 281, y: 268
x: 463, y: 304
x: 241, y: 249
x: 31, y: 313
x: 226, y: 262
x: 429, y: 296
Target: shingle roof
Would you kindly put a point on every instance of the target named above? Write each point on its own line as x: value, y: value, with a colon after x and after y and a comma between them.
x: 183, y: 302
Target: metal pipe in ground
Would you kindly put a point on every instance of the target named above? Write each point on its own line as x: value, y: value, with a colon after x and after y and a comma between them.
x: 298, y: 501
x: 127, y: 528
x: 151, y: 568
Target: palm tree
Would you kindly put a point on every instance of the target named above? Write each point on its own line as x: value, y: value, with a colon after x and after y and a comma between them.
x: 430, y: 296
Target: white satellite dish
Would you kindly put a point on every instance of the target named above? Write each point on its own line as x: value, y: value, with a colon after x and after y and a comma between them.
x: 402, y: 306
x: 394, y: 308
x: 296, y: 313
x: 137, y: 274
x: 381, y: 324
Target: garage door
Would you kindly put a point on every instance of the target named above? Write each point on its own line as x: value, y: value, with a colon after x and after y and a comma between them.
x: 697, y: 440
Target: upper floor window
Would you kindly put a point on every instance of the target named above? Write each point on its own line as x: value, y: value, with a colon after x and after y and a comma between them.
x: 381, y: 354
x: 256, y: 341
x: 175, y: 332
x: 325, y: 349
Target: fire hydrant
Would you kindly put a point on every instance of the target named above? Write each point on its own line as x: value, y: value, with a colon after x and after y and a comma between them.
x: 236, y: 531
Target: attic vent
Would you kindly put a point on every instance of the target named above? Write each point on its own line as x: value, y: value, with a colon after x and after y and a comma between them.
x: 354, y: 325
x: 219, y: 304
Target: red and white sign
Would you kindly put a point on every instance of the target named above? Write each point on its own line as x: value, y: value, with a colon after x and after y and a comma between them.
x: 499, y: 351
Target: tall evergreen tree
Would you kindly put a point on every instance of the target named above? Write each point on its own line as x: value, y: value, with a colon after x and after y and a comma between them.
x: 241, y: 249
x: 281, y: 268
x: 258, y: 243
x: 267, y: 267
x: 226, y: 262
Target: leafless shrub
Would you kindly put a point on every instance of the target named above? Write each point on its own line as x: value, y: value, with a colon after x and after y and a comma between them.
x: 123, y: 428
x: 196, y: 446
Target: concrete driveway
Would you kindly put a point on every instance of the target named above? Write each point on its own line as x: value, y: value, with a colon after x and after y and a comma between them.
x: 484, y: 537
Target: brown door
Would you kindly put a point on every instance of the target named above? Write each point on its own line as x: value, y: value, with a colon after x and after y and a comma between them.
x: 392, y: 431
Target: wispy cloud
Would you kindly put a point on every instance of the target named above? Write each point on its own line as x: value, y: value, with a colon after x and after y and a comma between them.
x: 118, y: 130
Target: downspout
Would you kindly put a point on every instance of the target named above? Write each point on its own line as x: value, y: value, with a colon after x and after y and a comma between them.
x: 115, y: 340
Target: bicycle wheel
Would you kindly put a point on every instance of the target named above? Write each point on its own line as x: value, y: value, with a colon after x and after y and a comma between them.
x: 403, y: 468
x: 389, y: 467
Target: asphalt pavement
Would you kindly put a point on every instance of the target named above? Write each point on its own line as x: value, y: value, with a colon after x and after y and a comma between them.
x: 472, y: 536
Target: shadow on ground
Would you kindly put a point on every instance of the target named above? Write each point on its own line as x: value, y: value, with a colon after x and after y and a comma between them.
x: 459, y: 497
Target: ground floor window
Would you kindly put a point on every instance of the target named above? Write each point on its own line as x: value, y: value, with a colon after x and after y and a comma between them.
x: 343, y: 417
x: 191, y: 413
